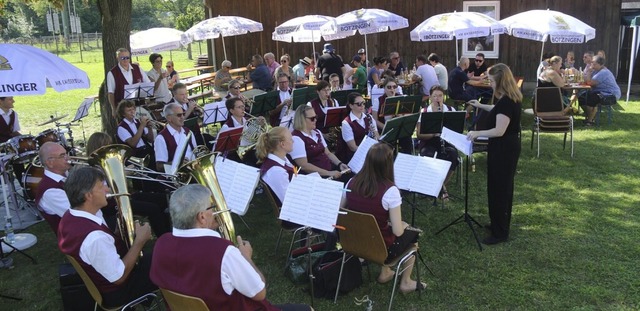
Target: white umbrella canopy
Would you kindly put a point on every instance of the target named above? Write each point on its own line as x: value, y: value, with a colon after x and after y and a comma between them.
x: 225, y: 26
x: 543, y: 25
x: 27, y: 70
x: 301, y: 29
x: 461, y: 25
x: 155, y: 40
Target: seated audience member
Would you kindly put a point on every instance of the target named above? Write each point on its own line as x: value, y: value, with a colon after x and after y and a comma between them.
x: 300, y: 69
x: 478, y: 68
x: 380, y: 65
x: 276, y: 170
x: 223, y: 76
x: 321, y: 103
x: 310, y: 150
x: 228, y: 279
x: 441, y: 70
x: 284, y: 69
x: 551, y: 76
x: 120, y: 274
x: 457, y: 80
x: 430, y: 144
x: 570, y: 60
x: 604, y: 89
x: 396, y: 65
x: 373, y: 191
x: 426, y: 74
x: 355, y: 127
x: 261, y: 77
x: 172, y: 136
x: 135, y: 133
x: 173, y: 75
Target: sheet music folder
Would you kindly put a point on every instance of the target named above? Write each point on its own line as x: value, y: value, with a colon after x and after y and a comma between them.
x: 312, y: 201
x: 423, y: 175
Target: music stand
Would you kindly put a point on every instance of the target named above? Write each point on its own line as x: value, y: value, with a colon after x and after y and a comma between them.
x: 399, y: 127
x: 83, y: 110
x: 228, y: 140
x: 334, y: 116
x: 214, y: 113
x: 263, y: 103
x: 401, y: 105
x: 299, y: 97
x: 454, y: 120
x: 341, y: 96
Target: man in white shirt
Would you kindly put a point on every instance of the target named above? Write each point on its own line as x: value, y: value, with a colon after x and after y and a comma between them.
x: 426, y: 74
x: 120, y: 75
x: 172, y: 136
x: 159, y: 75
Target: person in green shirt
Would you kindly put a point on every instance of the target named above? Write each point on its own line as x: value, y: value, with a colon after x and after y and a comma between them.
x: 359, y: 78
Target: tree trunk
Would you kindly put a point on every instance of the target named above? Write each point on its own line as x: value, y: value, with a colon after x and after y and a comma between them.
x: 116, y: 26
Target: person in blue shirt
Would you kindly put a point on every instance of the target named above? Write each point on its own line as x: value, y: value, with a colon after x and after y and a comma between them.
x: 260, y: 76
x: 603, y: 86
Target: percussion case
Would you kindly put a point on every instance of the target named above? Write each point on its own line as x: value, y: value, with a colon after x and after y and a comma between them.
x: 75, y: 296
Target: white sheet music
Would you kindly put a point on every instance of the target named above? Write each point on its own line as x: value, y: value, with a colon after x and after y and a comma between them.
x: 420, y: 174
x: 83, y: 110
x: 287, y: 121
x: 457, y: 140
x: 237, y: 182
x: 215, y: 112
x: 312, y: 201
x: 361, y: 153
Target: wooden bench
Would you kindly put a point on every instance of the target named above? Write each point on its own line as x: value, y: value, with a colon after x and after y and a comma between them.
x: 204, y: 95
x: 199, y: 82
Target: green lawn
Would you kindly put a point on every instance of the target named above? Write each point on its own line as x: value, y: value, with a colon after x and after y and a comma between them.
x: 573, y: 243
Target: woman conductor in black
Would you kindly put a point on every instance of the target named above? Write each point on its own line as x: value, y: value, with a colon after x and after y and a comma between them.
x: 504, y: 149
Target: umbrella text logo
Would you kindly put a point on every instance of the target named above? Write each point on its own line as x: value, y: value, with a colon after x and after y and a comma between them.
x: 4, y: 63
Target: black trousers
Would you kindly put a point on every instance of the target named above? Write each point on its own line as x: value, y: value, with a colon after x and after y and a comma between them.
x: 502, y: 161
x: 137, y: 284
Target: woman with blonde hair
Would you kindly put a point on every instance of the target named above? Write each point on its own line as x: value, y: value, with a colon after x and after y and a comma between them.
x: 504, y: 149
x: 276, y: 170
x: 373, y: 191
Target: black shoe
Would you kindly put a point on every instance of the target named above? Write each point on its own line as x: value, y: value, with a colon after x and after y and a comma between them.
x: 491, y: 240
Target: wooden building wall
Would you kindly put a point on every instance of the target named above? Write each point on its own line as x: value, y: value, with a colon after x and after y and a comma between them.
x: 522, y: 55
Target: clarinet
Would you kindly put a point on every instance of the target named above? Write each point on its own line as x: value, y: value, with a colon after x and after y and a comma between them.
x: 443, y: 151
x: 372, y: 126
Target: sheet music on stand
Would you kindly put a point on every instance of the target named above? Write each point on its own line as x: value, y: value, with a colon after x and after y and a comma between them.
x: 361, y: 153
x: 457, y: 140
x: 420, y: 174
x: 287, y: 120
x: 138, y: 90
x: 83, y: 110
x: 215, y: 112
x: 312, y: 201
x: 237, y: 182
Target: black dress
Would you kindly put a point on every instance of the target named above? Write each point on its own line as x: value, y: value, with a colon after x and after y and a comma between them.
x: 502, y: 160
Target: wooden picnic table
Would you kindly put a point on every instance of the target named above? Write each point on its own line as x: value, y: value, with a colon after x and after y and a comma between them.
x: 199, y: 68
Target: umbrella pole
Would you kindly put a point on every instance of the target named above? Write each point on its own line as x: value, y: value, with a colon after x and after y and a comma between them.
x: 457, y: 56
x: 366, y: 51
x: 223, y: 47
x: 313, y: 44
x: 542, y: 51
x: 634, y: 51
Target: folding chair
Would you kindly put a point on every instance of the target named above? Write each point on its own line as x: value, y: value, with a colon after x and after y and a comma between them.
x: 95, y: 293
x: 177, y: 301
x: 549, y: 116
x: 362, y: 238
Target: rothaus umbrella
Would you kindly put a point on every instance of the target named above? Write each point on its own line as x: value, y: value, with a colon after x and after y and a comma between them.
x: 301, y: 29
x: 364, y: 21
x: 221, y: 26
x: 461, y: 25
x: 155, y: 40
x: 27, y: 70
x: 548, y: 25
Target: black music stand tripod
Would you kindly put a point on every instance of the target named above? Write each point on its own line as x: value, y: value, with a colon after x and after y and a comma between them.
x: 466, y: 217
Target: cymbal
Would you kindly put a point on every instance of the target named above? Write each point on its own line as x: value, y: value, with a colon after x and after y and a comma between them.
x: 54, y: 119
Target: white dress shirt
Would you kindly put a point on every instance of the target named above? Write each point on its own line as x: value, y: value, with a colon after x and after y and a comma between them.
x: 123, y: 134
x: 160, y: 145
x: 128, y: 75
x: 277, y: 177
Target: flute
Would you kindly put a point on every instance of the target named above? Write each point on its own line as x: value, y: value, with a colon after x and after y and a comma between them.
x: 341, y: 173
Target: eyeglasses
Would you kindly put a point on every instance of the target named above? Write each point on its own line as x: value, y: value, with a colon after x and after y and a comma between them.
x: 239, y: 107
x: 479, y: 60
x: 179, y: 115
x: 395, y: 58
x: 283, y: 61
x: 335, y: 81
x: 391, y: 87
x: 235, y: 87
x: 312, y: 119
x: 359, y: 104
x: 169, y: 66
x: 124, y: 57
x: 58, y: 157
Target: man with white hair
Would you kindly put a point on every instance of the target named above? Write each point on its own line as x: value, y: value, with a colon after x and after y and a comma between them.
x: 223, y: 76
x: 270, y: 61
x: 172, y: 136
x: 122, y: 74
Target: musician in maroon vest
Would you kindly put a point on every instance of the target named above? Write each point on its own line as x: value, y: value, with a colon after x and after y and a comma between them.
x: 276, y: 170
x: 192, y: 110
x: 83, y: 235
x: 355, y: 127
x: 228, y: 279
x: 284, y: 100
x: 168, y: 139
x: 310, y: 151
x: 51, y: 199
x: 120, y: 75
x: 372, y: 191
x: 135, y: 133
x: 10, y: 127
x: 321, y: 103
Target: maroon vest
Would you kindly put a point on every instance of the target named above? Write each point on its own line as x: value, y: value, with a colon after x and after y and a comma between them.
x: 342, y: 150
x: 315, y: 150
x: 274, y: 115
x: 118, y: 93
x: 125, y: 126
x: 72, y: 232
x: 374, y: 207
x: 315, y: 104
x: 171, y: 142
x: 7, y: 129
x: 190, y: 275
x: 45, y: 184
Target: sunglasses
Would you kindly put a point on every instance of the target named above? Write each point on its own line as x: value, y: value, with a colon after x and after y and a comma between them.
x: 312, y: 119
x: 179, y: 115
x: 283, y: 61
x: 124, y: 57
x: 169, y: 66
x: 391, y: 87
x: 479, y: 60
x: 235, y: 87
x: 360, y: 104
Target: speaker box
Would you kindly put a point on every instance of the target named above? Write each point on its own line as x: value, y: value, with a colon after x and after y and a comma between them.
x: 75, y: 296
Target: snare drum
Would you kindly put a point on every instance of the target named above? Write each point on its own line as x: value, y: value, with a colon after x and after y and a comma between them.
x: 31, y: 179
x: 46, y: 136
x: 25, y: 146
x: 6, y: 148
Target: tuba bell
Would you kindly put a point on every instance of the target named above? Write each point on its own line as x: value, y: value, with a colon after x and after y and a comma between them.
x: 202, y: 169
x: 111, y: 159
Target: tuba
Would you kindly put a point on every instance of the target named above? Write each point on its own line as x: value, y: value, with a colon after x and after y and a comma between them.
x: 111, y: 159
x: 202, y: 169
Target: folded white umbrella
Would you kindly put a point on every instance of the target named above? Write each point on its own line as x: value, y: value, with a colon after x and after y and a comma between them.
x: 27, y: 70
x: 155, y: 40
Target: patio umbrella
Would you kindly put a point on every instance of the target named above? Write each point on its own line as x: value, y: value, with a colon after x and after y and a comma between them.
x: 543, y: 25
x: 221, y: 26
x: 155, y: 40
x: 301, y: 29
x: 461, y: 25
x: 364, y: 21
x: 27, y: 70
